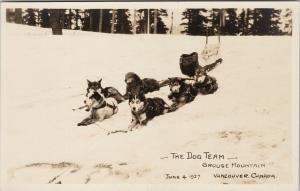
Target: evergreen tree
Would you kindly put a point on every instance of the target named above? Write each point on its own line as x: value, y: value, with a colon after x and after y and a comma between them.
x: 107, y: 17
x: 10, y: 15
x: 38, y: 17
x: 160, y: 27
x: 214, y: 22
x: 275, y: 22
x: 85, y: 20
x: 242, y: 22
x: 69, y: 18
x: 266, y: 22
x: 94, y: 20
x: 123, y: 24
x: 77, y: 19
x: 30, y: 17
x: 56, y: 21
x: 45, y: 18
x: 231, y: 23
x: 141, y: 21
x: 196, y: 22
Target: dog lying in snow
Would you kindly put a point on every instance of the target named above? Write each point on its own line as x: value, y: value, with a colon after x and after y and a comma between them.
x: 134, y: 85
x: 108, y: 92
x: 144, y: 109
x: 182, y: 92
x: 100, y: 108
x: 206, y: 85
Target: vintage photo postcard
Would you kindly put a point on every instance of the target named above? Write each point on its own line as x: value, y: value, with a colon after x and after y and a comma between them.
x: 150, y: 96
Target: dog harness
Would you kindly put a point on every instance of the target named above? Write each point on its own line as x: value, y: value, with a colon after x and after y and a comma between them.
x: 103, y: 104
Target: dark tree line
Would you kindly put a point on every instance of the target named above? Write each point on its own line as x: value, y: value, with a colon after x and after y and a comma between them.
x: 246, y: 22
x: 151, y: 21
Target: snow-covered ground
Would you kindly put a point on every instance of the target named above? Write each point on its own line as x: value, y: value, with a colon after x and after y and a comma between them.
x: 44, y: 76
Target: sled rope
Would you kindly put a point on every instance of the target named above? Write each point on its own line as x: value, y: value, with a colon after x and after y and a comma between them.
x: 101, y: 127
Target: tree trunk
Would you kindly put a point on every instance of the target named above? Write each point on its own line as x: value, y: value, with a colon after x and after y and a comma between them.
x: 56, y: 21
x: 148, y: 21
x: 69, y: 24
x: 112, y: 21
x: 91, y: 20
x: 134, y: 22
x: 155, y: 21
x: 101, y: 20
x: 247, y: 22
x: 18, y: 16
x: 172, y: 20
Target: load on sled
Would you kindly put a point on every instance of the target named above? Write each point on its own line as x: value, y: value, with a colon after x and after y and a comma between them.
x: 189, y: 65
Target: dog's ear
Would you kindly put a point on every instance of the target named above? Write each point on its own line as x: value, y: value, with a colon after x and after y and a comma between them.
x: 89, y: 82
x: 141, y: 95
x: 129, y: 96
x: 99, y: 82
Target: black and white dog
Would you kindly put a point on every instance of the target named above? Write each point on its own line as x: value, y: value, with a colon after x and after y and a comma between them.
x: 99, y: 107
x: 108, y: 92
x: 182, y: 92
x: 134, y: 85
x: 206, y: 85
x: 144, y: 109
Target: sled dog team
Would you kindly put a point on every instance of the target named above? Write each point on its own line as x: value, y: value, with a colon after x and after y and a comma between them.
x: 102, y: 103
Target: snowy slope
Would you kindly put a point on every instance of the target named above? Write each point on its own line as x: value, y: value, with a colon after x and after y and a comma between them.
x: 44, y: 77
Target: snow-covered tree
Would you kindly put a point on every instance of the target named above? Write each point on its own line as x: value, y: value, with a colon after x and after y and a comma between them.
x: 286, y: 19
x: 30, y: 17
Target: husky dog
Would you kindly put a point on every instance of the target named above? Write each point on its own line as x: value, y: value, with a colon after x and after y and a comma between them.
x: 108, y: 92
x: 182, y: 92
x: 144, y: 109
x: 206, y: 85
x: 135, y: 84
x: 100, y: 108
